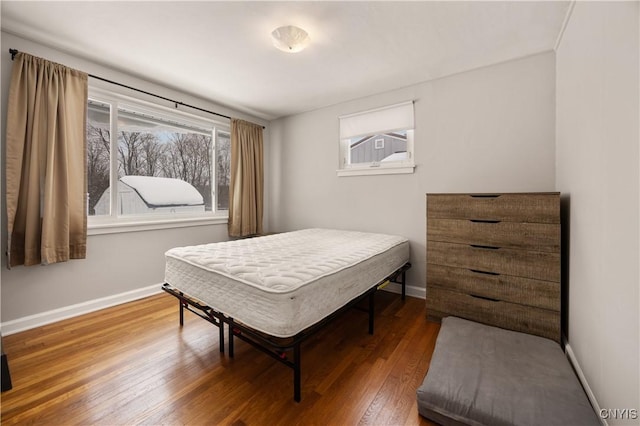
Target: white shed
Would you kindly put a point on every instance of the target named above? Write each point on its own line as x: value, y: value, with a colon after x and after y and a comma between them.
x: 146, y: 194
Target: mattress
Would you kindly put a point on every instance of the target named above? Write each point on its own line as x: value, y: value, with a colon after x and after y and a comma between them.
x: 484, y: 375
x: 281, y: 284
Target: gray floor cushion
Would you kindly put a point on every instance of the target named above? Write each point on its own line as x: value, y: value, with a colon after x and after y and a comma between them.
x: 483, y: 375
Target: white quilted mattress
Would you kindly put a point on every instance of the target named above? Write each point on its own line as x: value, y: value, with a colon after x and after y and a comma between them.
x: 281, y: 284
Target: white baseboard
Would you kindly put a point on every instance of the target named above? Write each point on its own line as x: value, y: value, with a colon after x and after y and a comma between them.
x: 583, y: 381
x: 419, y: 292
x: 44, y: 318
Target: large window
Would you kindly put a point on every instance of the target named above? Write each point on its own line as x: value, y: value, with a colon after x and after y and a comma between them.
x: 148, y: 163
x: 378, y: 141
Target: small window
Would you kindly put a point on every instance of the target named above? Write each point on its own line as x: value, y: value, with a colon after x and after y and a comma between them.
x: 377, y: 141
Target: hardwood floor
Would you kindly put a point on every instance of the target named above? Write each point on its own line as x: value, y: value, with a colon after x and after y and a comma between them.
x: 134, y: 364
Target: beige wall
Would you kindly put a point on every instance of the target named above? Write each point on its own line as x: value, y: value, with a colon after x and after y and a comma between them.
x: 116, y: 263
x: 597, y: 167
x: 487, y: 130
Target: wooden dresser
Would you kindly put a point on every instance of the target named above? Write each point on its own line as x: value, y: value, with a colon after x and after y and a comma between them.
x: 495, y: 259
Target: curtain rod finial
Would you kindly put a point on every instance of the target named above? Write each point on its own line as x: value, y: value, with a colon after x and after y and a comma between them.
x: 13, y: 52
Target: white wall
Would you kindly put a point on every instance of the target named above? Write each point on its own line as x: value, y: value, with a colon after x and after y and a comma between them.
x: 487, y: 130
x: 115, y: 263
x: 597, y: 169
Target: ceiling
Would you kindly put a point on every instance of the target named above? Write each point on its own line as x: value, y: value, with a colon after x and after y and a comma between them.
x: 222, y: 51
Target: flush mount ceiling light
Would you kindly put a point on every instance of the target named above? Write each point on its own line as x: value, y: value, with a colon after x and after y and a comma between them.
x: 290, y: 39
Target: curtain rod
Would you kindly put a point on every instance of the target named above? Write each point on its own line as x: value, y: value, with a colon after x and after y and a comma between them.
x: 14, y: 52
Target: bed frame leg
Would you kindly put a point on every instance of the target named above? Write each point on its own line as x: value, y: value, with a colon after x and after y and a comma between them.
x: 371, y: 311
x: 296, y: 373
x: 230, y: 325
x: 181, y: 312
x: 221, y: 336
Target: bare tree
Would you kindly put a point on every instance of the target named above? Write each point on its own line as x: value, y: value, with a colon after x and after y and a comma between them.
x: 97, y: 163
x: 140, y: 153
x: 188, y: 157
x: 223, y: 171
x: 185, y: 156
x: 129, y: 149
x: 223, y: 159
x: 153, y: 153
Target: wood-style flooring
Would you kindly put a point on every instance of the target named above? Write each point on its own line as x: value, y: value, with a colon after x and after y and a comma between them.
x: 134, y: 364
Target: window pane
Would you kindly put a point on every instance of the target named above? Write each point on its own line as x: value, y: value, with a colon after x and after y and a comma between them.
x: 377, y: 148
x: 98, y: 139
x: 223, y: 169
x: 164, y: 162
x: 162, y: 167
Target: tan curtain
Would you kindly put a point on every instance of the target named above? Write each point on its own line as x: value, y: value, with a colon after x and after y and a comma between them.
x: 247, y: 179
x: 46, y: 177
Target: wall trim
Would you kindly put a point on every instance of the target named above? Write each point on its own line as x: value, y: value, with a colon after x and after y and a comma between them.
x: 419, y: 292
x: 48, y: 317
x: 585, y: 384
x: 44, y: 318
x: 564, y: 25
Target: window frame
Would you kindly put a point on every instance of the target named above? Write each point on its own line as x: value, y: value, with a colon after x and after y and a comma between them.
x: 346, y: 168
x: 115, y: 223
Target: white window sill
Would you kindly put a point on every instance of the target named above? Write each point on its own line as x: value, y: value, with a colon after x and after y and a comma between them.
x: 388, y: 170
x: 110, y: 226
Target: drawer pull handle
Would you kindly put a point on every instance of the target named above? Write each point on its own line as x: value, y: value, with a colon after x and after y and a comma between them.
x: 484, y: 221
x: 484, y: 195
x: 485, y: 298
x: 484, y: 247
x: 483, y: 272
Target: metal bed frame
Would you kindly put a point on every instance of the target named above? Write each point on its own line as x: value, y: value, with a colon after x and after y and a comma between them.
x: 276, y: 347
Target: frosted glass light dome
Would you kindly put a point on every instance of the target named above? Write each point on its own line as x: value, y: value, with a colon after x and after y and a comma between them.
x: 290, y: 39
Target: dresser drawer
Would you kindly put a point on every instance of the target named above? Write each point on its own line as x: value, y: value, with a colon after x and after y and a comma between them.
x: 513, y: 316
x: 534, y: 208
x: 521, y: 263
x: 524, y: 236
x: 524, y: 291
